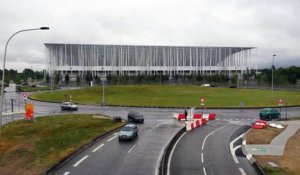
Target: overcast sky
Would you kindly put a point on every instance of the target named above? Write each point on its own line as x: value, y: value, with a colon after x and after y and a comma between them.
x: 273, y: 26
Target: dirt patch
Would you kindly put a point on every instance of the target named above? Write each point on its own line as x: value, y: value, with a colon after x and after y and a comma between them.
x: 101, y: 117
x: 288, y: 163
x: 262, y: 136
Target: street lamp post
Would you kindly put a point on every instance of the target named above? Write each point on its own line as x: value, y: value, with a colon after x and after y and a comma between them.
x: 4, y: 60
x: 273, y: 67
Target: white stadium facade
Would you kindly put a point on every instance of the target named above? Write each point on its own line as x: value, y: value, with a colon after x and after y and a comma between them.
x: 78, y: 59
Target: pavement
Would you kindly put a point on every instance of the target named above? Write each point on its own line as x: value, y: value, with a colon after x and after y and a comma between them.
x: 277, y: 145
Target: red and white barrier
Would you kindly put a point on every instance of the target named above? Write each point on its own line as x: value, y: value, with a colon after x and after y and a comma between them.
x: 209, y: 117
x: 190, y: 125
x: 182, y: 117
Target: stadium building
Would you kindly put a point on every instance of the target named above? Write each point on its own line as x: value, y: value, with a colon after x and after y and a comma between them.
x: 78, y: 59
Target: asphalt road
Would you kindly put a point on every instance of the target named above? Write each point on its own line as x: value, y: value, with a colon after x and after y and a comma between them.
x: 205, y: 150
x: 141, y: 156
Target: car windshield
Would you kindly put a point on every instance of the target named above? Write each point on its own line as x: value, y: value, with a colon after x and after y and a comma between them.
x: 139, y: 116
x: 127, y: 128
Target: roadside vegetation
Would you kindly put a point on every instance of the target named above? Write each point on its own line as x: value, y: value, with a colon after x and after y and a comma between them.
x: 30, y: 148
x: 262, y: 136
x: 287, y: 77
x: 171, y: 96
x: 32, y: 88
x: 288, y: 163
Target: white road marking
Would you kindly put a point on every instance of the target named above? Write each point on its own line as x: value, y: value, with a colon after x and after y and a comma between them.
x: 81, y: 160
x: 97, y: 148
x: 202, y: 160
x: 232, y: 150
x: 171, y: 153
x: 237, y: 147
x: 112, y: 138
x: 131, y: 149
x: 211, y: 134
x: 204, y: 171
x: 242, y: 171
x: 158, y: 125
x: 66, y: 173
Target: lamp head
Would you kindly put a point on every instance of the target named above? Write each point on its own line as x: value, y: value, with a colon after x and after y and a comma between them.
x: 44, y: 28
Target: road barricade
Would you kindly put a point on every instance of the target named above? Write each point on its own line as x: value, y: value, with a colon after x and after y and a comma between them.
x: 181, y: 116
x: 209, y: 117
x: 192, y: 124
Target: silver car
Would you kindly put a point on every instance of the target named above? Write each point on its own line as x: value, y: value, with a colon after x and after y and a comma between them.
x: 128, y: 132
x: 68, y: 106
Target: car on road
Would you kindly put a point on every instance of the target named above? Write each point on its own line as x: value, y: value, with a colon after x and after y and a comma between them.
x: 135, y: 117
x: 68, y: 106
x: 128, y: 132
x: 269, y: 114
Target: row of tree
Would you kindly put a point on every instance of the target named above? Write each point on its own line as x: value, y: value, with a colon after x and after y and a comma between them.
x: 23, y: 77
x: 281, y: 76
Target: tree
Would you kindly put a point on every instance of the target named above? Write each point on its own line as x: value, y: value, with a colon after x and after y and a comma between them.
x: 27, y: 73
x: 78, y: 80
x: 57, y: 78
x: 234, y: 79
x: 48, y: 79
x: 88, y: 77
x: 67, y: 79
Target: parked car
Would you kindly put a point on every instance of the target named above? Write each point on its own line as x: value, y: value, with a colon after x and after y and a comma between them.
x: 135, y: 117
x: 68, y: 106
x: 128, y: 132
x: 269, y: 114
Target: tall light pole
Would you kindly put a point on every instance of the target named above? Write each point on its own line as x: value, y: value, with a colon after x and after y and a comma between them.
x: 4, y: 60
x: 273, y: 67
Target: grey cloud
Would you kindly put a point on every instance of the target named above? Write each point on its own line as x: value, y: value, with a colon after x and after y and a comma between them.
x: 271, y: 25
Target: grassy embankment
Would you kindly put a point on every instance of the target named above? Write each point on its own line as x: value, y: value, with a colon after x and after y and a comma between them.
x: 32, y: 148
x: 170, y: 95
x: 288, y: 163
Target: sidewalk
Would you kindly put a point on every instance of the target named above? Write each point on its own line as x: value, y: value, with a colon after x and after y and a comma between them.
x: 276, y: 148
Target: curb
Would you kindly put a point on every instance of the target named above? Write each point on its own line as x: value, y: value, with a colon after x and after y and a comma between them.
x: 250, y: 158
x: 64, y: 161
x: 163, y: 159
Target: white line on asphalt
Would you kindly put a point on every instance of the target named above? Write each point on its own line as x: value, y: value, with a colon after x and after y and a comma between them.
x: 202, y: 160
x: 204, y: 171
x: 237, y: 147
x: 233, y: 150
x: 211, y: 134
x: 112, y: 138
x: 158, y: 125
x: 131, y: 149
x: 81, y: 160
x: 171, y: 153
x: 242, y: 171
x: 66, y: 173
x: 97, y: 148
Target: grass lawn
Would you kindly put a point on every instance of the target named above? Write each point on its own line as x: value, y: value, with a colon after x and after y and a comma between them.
x: 172, y: 95
x: 32, y: 148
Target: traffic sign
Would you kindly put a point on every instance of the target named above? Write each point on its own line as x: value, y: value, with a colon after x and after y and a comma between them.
x: 202, y: 101
x: 280, y: 101
x: 25, y: 95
